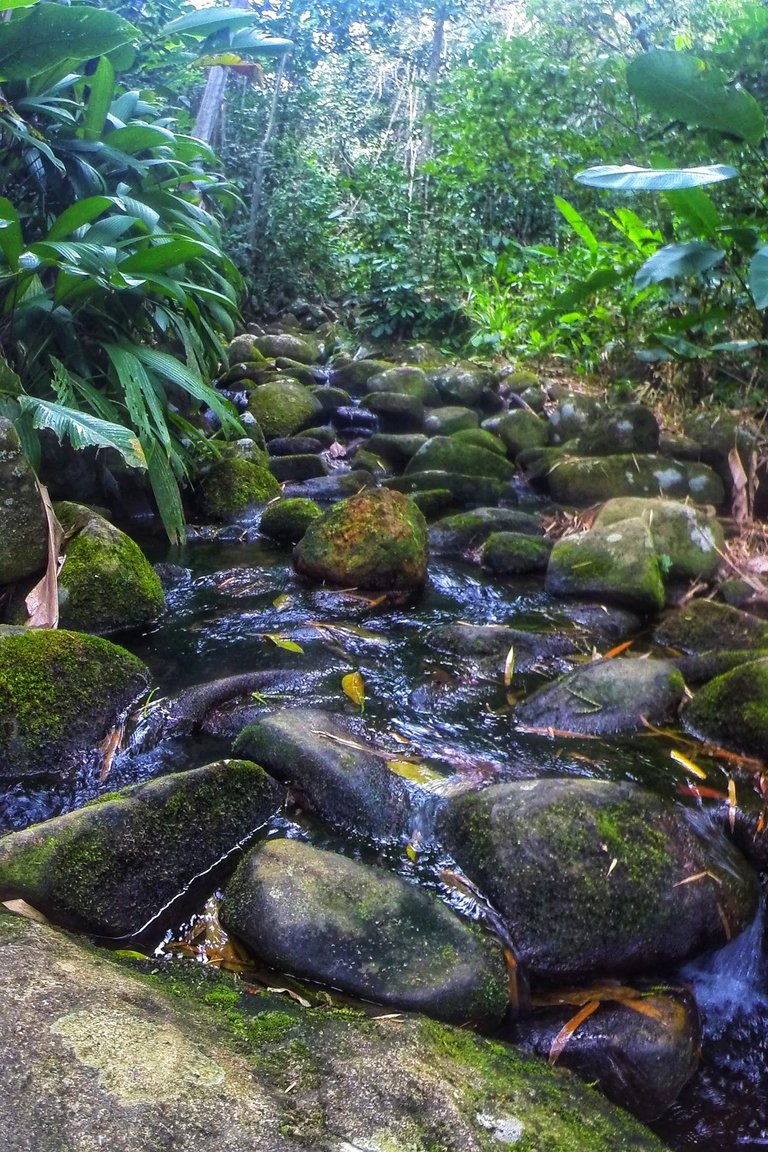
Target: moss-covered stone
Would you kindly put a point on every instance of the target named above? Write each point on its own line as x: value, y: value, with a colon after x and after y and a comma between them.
x: 396, y: 448
x: 283, y: 407
x: 574, y: 413
x: 592, y: 480
x: 630, y: 428
x: 232, y: 485
x: 515, y: 553
x: 106, y: 583
x: 467, y: 531
x: 296, y: 370
x: 481, y: 438
x: 113, y: 865
x: 460, y: 384
x: 366, y: 931
x: 520, y: 429
x: 687, y: 540
x: 704, y: 626
x: 445, y: 453
x: 243, y: 350
x: 298, y: 467
x: 377, y: 539
x: 447, y: 421
x: 354, y: 374
x: 23, y: 527
x: 467, y: 491
x: 542, y: 851
x: 59, y: 693
x: 406, y: 380
x: 433, y: 501
x: 287, y: 520
x: 395, y: 411
x: 732, y: 709
x: 287, y: 346
x: 617, y: 564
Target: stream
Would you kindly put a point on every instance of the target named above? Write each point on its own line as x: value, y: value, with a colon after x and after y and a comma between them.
x: 234, y: 605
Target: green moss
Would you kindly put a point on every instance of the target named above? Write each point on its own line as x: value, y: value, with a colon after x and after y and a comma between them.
x: 481, y: 439
x: 283, y: 407
x: 732, y: 710
x: 288, y: 520
x: 233, y: 484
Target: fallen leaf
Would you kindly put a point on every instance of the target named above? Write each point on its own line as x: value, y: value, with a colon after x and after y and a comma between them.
x: 42, y: 603
x: 282, y: 601
x: 618, y: 650
x: 21, y: 908
x: 353, y: 686
x: 281, y: 642
x: 740, y: 509
x: 688, y: 764
x: 698, y: 876
x: 291, y: 995
x: 509, y: 667
x: 567, y: 1031
x: 732, y: 802
x: 108, y: 749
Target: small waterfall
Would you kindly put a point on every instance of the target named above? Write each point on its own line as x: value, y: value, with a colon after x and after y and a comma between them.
x: 732, y: 982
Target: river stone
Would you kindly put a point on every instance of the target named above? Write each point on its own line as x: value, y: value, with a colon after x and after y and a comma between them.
x: 160, y: 1060
x: 294, y: 446
x: 515, y: 553
x: 468, y: 531
x: 460, y: 385
x: 243, y: 350
x: 594, y: 479
x: 396, y: 448
x: 406, y: 380
x: 691, y: 540
x: 23, y: 526
x: 443, y: 453
x: 298, y: 468
x: 467, y: 491
x: 297, y: 370
x: 60, y: 692
x: 354, y: 375
x: 396, y: 412
x: 111, y: 866
x: 543, y: 850
x: 732, y: 710
x: 377, y: 539
x: 704, y: 626
x: 481, y: 438
x: 630, y: 428
x: 640, y: 1046
x: 489, y: 645
x: 574, y: 413
x: 606, y: 698
x: 106, y: 583
x: 520, y: 429
x: 232, y: 484
x: 617, y: 563
x: 318, y: 754
x: 284, y: 344
x: 446, y: 421
x: 288, y: 520
x: 365, y: 931
x: 283, y: 407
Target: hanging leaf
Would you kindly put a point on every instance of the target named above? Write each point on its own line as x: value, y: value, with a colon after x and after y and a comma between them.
x: 50, y: 35
x: 353, y: 686
x: 283, y: 642
x: 84, y: 430
x: 631, y: 178
x: 677, y: 260
x: 697, y: 209
x: 577, y: 223
x: 42, y: 603
x: 758, y: 276
x: 682, y: 87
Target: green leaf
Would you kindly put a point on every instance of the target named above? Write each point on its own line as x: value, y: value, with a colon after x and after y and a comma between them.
x: 11, y: 239
x: 577, y: 223
x: 676, y: 260
x: 758, y: 277
x: 208, y: 20
x: 165, y: 488
x: 10, y: 383
x: 79, y: 213
x: 50, y: 35
x: 139, y: 138
x: 252, y: 42
x: 7, y: 5
x: 697, y: 209
x: 631, y: 178
x: 141, y: 398
x: 102, y: 89
x: 84, y: 430
x: 682, y: 87
x: 161, y: 257
x: 564, y: 301
x: 169, y: 368
x: 282, y: 642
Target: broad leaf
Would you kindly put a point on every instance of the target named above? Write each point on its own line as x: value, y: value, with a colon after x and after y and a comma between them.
x: 161, y: 257
x: 206, y: 21
x: 84, y: 430
x: 139, y: 138
x: 682, y: 87
x: 165, y: 488
x: 353, y: 686
x: 11, y: 240
x: 49, y: 35
x: 79, y: 213
x: 697, y: 209
x: 676, y: 260
x: 255, y: 44
x: 631, y: 178
x: 758, y: 277
x: 102, y: 89
x: 577, y: 223
x: 169, y: 368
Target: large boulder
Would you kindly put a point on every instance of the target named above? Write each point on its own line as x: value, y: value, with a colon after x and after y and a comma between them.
x: 629, y: 428
x: 449, y: 421
x: 732, y: 710
x: 617, y: 564
x: 322, y: 757
x: 688, y: 541
x: 232, y: 485
x: 287, y: 520
x: 366, y: 931
x: 106, y: 583
x: 443, y: 453
x: 110, y: 867
x: 595, y: 877
x: 594, y: 479
x: 23, y: 526
x: 460, y: 384
x: 283, y: 407
x: 406, y: 380
x: 287, y: 345
x: 376, y: 539
x: 521, y: 429
x: 704, y: 626
x: 60, y: 692
x: 466, y: 532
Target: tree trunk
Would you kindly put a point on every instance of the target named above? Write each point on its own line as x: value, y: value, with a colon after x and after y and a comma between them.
x: 260, y: 164
x: 212, y: 103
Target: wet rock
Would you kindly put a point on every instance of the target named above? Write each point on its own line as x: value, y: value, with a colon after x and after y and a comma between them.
x: 467, y: 491
x: 606, y: 698
x: 617, y: 564
x: 302, y: 466
x: 355, y: 375
x: 316, y: 753
x: 520, y: 429
x: 408, y: 381
x: 467, y: 531
x: 489, y: 645
x: 461, y: 385
x: 515, y: 554
x: 572, y: 416
x: 543, y: 852
x: 357, y: 420
x: 629, y: 428
x: 433, y: 501
x: 330, y: 399
x: 688, y: 541
x: 447, y: 421
x: 110, y: 867
x: 365, y: 931
x: 60, y: 692
x: 377, y: 539
x: 731, y: 711
x: 640, y: 1046
x: 372, y: 463
x: 592, y: 480
x: 396, y: 412
x: 302, y: 373
x: 704, y: 626
x: 283, y: 407
x: 443, y: 453
x: 232, y: 484
x: 287, y: 520
x: 599, y: 623
x: 153, y: 1062
x: 284, y: 344
x: 106, y: 583
x: 481, y: 438
x: 243, y: 350
x: 23, y: 526
x: 294, y: 446
x: 396, y: 448
x: 333, y: 487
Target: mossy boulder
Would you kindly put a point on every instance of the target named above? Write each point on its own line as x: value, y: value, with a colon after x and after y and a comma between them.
x: 243, y: 350
x: 232, y: 485
x: 287, y: 520
x: 629, y: 428
x: 606, y: 698
x: 444, y: 453
x: 466, y: 532
x: 732, y: 710
x: 466, y: 491
x: 543, y: 852
x: 688, y: 541
x: 376, y: 539
x: 283, y: 407
x: 408, y: 381
x: 396, y: 412
x: 574, y: 413
x: 110, y: 867
x: 106, y: 583
x: 396, y: 448
x: 447, y: 421
x: 294, y: 368
x: 365, y: 931
x: 162, y: 1056
x: 288, y: 346
x: 515, y: 553
x: 481, y: 438
x: 520, y: 429
x: 355, y: 374
x: 618, y: 564
x: 704, y: 626
x: 60, y: 692
x: 23, y: 526
x: 298, y: 467
x: 594, y: 479
x: 323, y: 757
x: 641, y: 1045
x: 460, y: 384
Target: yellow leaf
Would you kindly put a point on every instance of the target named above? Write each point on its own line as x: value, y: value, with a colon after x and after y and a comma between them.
x: 281, y: 642
x: 688, y: 764
x: 732, y: 802
x: 282, y: 601
x: 509, y: 667
x: 416, y: 772
x: 354, y: 687
x: 411, y: 853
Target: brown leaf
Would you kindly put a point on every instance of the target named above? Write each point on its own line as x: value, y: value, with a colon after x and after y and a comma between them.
x: 567, y: 1030
x: 740, y: 502
x: 42, y: 603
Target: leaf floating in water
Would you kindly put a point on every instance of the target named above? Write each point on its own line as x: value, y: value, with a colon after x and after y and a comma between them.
x: 567, y: 1031
x: 732, y: 802
x: 688, y: 764
x: 416, y: 772
x: 282, y: 642
x: 353, y: 686
x: 282, y: 601
x: 509, y: 667
x: 109, y: 747
x: 698, y: 876
x: 613, y: 864
x: 617, y: 651
x: 411, y: 853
